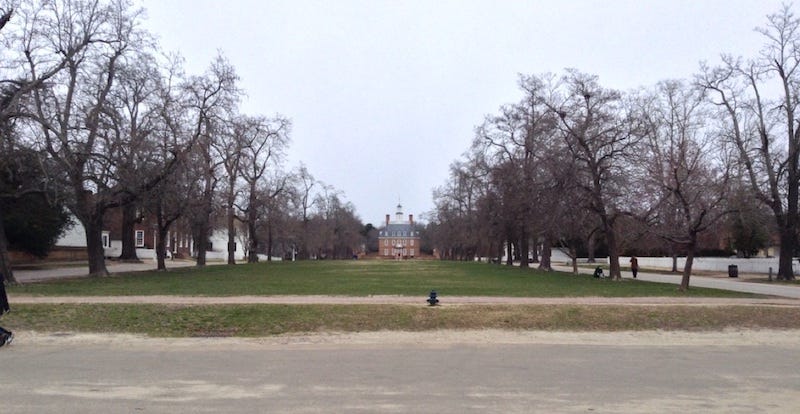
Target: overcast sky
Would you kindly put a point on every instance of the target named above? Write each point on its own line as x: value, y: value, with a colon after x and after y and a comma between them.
x: 385, y: 95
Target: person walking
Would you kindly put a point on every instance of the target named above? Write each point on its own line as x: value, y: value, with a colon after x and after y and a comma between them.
x: 634, y: 266
x: 6, y: 336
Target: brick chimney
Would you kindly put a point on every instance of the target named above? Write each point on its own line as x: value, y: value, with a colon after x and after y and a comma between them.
x: 411, y: 219
x: 387, y: 219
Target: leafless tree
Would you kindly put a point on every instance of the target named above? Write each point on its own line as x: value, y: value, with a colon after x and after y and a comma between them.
x: 212, y: 99
x: 273, y: 221
x: 228, y: 150
x: 73, y: 109
x: 469, y: 211
x: 263, y: 144
x: 133, y: 111
x: 599, y: 133
x: 169, y: 200
x: 28, y: 64
x: 764, y: 129
x: 684, y: 173
x: 304, y: 202
x: 336, y: 226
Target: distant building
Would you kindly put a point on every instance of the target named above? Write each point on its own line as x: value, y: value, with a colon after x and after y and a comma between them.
x: 398, y: 238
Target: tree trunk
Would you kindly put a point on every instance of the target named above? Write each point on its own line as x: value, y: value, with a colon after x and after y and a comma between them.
x: 524, y: 247
x: 788, y: 240
x: 590, y: 246
x: 6, y: 273
x: 252, y: 217
x: 252, y: 249
x: 94, y: 245
x: 269, y: 241
x: 613, y: 252
x: 547, y: 251
x: 161, y: 247
x: 201, y: 244
x: 674, y: 261
x: 129, y: 221
x: 687, y: 268
x: 231, y: 238
x: 574, y: 255
x: 509, y: 253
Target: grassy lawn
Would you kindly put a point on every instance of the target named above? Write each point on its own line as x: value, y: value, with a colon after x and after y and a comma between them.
x: 265, y: 320
x: 359, y: 278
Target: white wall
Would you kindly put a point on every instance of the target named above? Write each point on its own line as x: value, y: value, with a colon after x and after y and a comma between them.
x: 716, y: 264
x: 219, y: 240
x: 74, y: 236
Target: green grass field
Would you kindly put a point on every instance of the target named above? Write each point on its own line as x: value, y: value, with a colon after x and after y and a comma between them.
x: 266, y: 320
x: 359, y: 278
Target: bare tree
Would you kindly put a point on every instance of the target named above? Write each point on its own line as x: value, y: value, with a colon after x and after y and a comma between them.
x: 457, y: 235
x: 273, y: 202
x: 509, y: 145
x: 765, y: 130
x: 133, y: 108
x: 169, y: 200
x: 599, y: 134
x: 263, y: 143
x: 73, y: 110
x: 304, y: 201
x: 212, y: 99
x: 228, y: 150
x: 28, y: 64
x: 685, y: 175
x: 336, y: 227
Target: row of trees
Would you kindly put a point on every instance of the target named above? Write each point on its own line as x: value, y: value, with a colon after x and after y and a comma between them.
x: 94, y: 117
x: 573, y: 160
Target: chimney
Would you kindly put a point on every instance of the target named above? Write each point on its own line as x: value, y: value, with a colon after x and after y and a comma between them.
x: 387, y: 219
x: 411, y: 219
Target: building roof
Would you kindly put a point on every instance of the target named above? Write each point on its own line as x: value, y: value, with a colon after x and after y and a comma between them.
x: 398, y: 230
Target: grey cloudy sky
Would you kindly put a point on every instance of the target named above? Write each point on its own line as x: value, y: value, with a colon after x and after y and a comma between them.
x: 384, y: 95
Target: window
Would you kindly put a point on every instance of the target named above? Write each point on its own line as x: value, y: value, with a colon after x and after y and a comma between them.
x: 385, y: 252
x: 411, y: 252
x: 139, y: 238
x: 412, y: 242
x: 385, y: 242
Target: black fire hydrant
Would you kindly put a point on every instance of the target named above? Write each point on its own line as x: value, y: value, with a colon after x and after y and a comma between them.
x: 432, y: 300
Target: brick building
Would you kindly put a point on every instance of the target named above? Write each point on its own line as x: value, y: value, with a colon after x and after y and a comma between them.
x: 398, y: 238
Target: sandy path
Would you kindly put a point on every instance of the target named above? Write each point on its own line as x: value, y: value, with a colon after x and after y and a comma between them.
x: 728, y: 337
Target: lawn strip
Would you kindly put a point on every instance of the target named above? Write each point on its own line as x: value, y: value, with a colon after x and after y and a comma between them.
x: 267, y: 320
x: 359, y: 278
